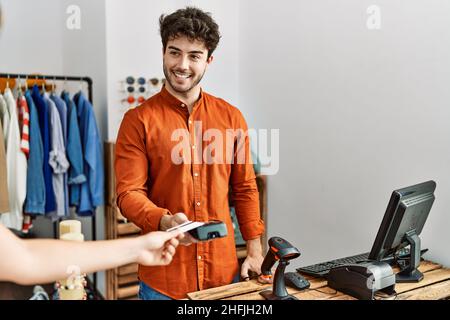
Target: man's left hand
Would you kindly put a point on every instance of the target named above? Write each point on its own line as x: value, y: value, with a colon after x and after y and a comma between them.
x: 254, y: 261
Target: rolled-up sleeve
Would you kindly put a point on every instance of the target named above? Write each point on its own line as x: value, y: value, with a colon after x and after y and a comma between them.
x: 131, y: 169
x: 245, y: 193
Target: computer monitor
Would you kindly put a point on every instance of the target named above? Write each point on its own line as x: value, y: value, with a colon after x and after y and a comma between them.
x: 402, y: 224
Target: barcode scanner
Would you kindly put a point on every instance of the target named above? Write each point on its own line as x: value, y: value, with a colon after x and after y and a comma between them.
x: 282, y: 251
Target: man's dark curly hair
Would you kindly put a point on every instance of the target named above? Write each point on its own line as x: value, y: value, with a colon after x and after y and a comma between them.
x: 192, y: 23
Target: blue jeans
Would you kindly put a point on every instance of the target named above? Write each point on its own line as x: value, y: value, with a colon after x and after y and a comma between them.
x: 148, y: 293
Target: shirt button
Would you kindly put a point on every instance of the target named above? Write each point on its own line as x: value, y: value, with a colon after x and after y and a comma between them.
x: 195, y: 174
x: 183, y: 105
x: 198, y: 204
x: 193, y: 147
x: 190, y: 121
x: 199, y: 257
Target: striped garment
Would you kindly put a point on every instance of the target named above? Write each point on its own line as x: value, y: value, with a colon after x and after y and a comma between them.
x: 24, y: 124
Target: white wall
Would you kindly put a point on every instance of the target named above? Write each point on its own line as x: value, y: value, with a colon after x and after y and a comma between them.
x: 361, y: 112
x: 31, y: 42
x: 31, y: 37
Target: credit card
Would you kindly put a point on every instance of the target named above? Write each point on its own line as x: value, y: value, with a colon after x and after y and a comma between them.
x: 186, y: 226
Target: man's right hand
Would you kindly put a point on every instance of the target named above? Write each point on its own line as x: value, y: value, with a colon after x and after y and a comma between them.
x: 169, y: 221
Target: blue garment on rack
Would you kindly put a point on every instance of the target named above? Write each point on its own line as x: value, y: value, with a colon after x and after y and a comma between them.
x: 62, y: 111
x: 35, y: 200
x: 42, y: 108
x: 57, y: 158
x: 92, y: 192
x: 74, y: 152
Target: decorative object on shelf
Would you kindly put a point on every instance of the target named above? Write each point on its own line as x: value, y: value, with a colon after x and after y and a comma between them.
x: 138, y: 89
x: 72, y: 288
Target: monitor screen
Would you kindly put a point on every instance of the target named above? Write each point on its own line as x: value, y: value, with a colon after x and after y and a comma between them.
x: 405, y: 215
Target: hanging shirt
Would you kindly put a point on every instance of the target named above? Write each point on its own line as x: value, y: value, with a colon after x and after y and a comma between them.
x: 16, y: 164
x: 57, y: 157
x: 24, y: 124
x: 74, y: 152
x: 150, y: 184
x: 35, y: 200
x: 62, y: 111
x: 4, y: 118
x: 42, y: 108
x: 4, y: 202
x: 92, y: 192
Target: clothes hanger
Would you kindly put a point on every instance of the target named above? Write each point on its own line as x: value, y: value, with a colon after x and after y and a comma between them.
x: 81, y: 85
x: 43, y: 85
x: 53, y: 86
x: 7, y: 83
x: 19, y: 87
x: 64, y: 85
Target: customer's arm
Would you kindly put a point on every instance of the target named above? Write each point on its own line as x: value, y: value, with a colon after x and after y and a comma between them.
x: 43, y: 261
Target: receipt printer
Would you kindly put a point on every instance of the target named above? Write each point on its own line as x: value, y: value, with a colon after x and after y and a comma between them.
x: 363, y: 280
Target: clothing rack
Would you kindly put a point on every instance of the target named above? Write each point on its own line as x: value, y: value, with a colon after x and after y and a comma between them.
x: 61, y: 78
x: 50, y: 77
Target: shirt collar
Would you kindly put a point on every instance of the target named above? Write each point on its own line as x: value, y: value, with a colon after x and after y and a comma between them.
x: 175, y: 102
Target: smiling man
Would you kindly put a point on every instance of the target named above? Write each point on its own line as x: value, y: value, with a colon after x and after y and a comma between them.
x: 156, y: 192
x: 184, y: 75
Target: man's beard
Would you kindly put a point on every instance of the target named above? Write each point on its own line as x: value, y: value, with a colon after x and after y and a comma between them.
x: 195, y: 83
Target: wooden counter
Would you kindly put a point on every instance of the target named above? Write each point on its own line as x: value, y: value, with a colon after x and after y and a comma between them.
x: 435, y: 285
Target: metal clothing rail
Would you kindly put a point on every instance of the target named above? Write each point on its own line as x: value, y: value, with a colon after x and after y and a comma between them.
x: 50, y: 77
x: 61, y: 78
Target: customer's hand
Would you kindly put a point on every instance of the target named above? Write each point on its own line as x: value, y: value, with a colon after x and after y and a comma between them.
x: 158, y: 248
x: 169, y: 221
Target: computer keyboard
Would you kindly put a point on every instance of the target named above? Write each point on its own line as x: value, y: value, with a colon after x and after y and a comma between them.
x: 322, y: 269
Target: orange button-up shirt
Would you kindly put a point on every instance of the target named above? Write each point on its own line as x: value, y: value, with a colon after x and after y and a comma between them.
x: 169, y: 160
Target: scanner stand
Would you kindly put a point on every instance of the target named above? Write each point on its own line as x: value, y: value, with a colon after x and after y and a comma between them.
x: 279, y: 288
